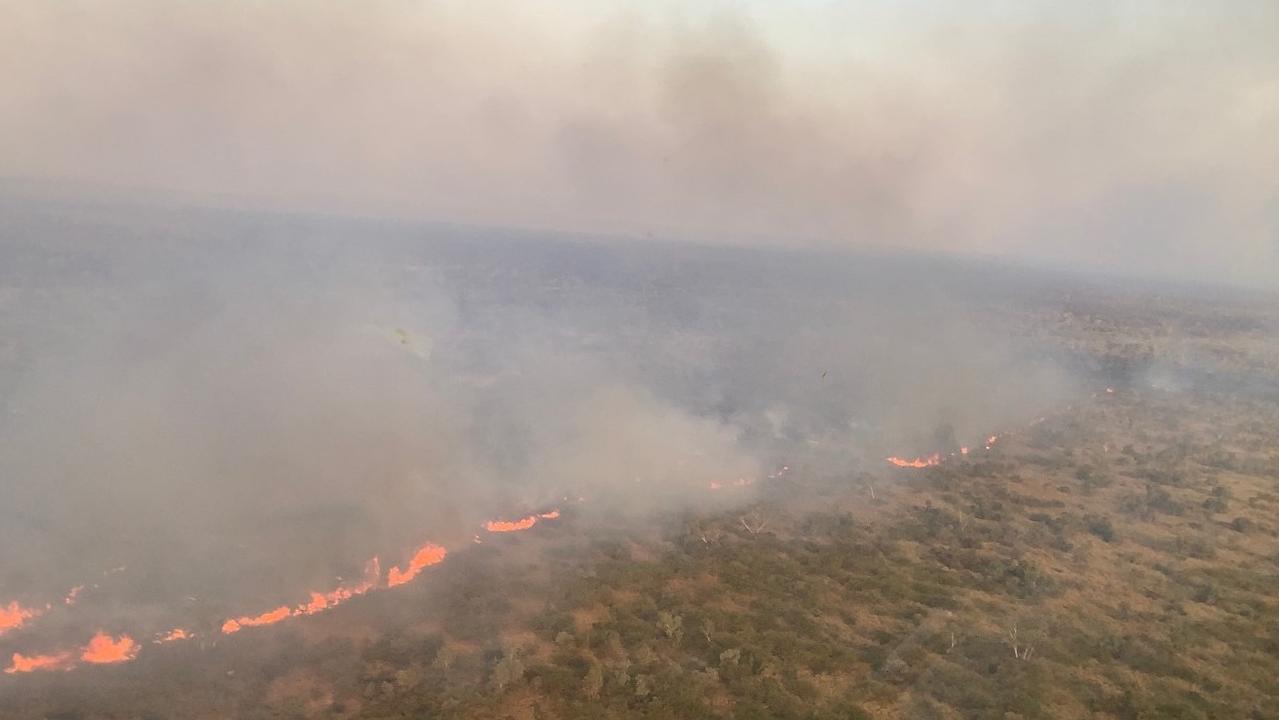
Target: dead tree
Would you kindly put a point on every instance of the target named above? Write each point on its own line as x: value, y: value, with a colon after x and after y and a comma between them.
x: 1020, y: 651
x: 754, y: 522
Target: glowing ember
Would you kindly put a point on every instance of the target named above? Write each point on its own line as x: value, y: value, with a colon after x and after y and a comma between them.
x: 13, y: 616
x: 963, y: 450
x: 23, y: 664
x: 104, y: 649
x: 427, y: 555
x: 919, y: 462
x: 72, y: 593
x: 552, y: 515
x: 174, y: 634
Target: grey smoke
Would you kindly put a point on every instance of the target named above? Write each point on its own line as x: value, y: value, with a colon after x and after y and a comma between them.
x: 1133, y: 136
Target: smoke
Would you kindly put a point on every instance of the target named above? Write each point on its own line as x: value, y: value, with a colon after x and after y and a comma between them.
x: 231, y: 421
x: 237, y: 405
x: 1131, y: 136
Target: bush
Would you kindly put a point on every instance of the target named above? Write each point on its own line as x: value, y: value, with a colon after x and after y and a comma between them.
x: 1241, y: 524
x: 1100, y: 526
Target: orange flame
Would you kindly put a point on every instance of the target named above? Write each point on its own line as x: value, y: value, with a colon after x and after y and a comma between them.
x: 319, y: 602
x: 24, y: 664
x: 14, y: 616
x: 71, y: 594
x: 103, y: 649
x: 511, y: 526
x: 427, y: 555
x: 919, y: 462
x: 174, y: 634
x: 505, y: 526
x: 266, y: 618
x: 324, y: 601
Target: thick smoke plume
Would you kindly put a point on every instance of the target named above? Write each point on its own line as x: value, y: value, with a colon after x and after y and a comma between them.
x: 221, y: 401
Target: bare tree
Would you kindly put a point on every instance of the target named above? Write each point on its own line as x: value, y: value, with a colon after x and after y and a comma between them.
x: 1021, y: 650
x: 754, y: 522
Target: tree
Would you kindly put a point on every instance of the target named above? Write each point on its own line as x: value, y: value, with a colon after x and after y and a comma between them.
x: 508, y: 670
x: 754, y: 522
x: 672, y: 626
x: 594, y: 681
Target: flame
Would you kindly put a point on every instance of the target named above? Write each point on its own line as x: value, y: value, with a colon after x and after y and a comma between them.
x: 505, y: 526
x: 103, y: 649
x: 71, y: 594
x: 266, y: 618
x: 324, y: 601
x: 174, y: 634
x: 511, y: 526
x: 320, y: 601
x: 14, y: 616
x: 427, y: 555
x: 24, y: 664
x: 919, y: 462
x: 963, y: 450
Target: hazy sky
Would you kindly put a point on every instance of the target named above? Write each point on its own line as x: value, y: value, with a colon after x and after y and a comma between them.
x: 1139, y: 136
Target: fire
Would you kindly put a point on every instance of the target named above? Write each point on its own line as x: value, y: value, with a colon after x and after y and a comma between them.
x: 919, y: 462
x: 505, y: 526
x: 174, y: 634
x: 324, y: 601
x: 511, y: 526
x: 14, y: 616
x: 24, y: 664
x: 266, y: 618
x: 104, y: 649
x: 319, y: 602
x: 427, y: 555
x: 71, y: 594
x: 101, y: 650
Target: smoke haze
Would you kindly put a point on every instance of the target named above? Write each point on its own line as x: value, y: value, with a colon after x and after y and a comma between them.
x: 1133, y: 136
x: 222, y: 401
